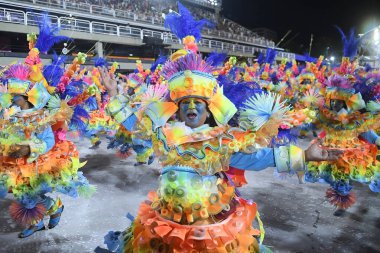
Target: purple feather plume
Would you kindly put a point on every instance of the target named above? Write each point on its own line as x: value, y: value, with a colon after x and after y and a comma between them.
x: 19, y: 71
x: 191, y: 61
x: 339, y: 82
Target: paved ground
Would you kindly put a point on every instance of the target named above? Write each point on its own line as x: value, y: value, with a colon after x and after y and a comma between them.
x: 296, y: 217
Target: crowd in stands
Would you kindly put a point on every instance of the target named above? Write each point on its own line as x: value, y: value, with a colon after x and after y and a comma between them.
x: 150, y: 11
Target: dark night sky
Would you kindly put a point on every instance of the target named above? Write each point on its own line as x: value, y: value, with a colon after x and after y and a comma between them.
x: 306, y: 17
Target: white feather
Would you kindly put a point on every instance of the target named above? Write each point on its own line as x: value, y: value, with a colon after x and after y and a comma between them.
x: 260, y: 108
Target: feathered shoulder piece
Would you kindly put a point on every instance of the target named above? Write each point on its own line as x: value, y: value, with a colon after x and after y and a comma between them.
x: 18, y: 71
x: 264, y: 113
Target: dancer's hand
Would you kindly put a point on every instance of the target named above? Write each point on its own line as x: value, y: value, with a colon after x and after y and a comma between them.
x: 108, y: 80
x: 19, y: 151
x: 316, y: 153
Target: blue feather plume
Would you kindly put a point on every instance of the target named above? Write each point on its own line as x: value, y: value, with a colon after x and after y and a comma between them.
x: 74, y: 88
x: 101, y: 62
x: 350, y: 44
x: 160, y: 60
x: 240, y: 92
x: 288, y: 65
x: 48, y: 37
x: 184, y: 24
x: 367, y: 67
x: 91, y: 103
x: 77, y: 121
x: 216, y: 59
x: 260, y: 59
x: 274, y: 77
x: 54, y: 71
x: 270, y: 56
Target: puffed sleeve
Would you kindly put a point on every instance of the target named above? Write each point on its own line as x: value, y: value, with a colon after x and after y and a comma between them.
x: 285, y: 159
x: 371, y: 137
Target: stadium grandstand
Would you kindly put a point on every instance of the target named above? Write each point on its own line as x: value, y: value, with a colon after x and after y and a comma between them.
x: 124, y: 30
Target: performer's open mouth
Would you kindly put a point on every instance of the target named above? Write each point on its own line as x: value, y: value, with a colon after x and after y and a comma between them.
x: 191, y: 115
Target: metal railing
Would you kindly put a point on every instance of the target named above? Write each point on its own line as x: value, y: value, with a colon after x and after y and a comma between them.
x: 12, y: 16
x: 74, y: 24
x: 81, y: 25
x: 32, y: 18
x: 137, y: 17
x: 126, y: 31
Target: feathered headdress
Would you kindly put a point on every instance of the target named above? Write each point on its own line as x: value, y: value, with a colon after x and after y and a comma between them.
x: 101, y: 62
x: 350, y: 43
x: 54, y: 71
x: 183, y: 24
x: 47, y: 36
x: 185, y: 27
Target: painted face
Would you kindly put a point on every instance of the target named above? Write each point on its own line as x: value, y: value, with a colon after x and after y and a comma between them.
x: 21, y: 102
x: 193, y: 111
x: 306, y: 81
x: 131, y: 91
x: 337, y: 105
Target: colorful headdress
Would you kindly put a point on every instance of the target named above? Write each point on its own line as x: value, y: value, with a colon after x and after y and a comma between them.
x: 350, y: 50
x: 191, y: 76
x: 188, y: 74
x: 37, y: 94
x: 186, y: 28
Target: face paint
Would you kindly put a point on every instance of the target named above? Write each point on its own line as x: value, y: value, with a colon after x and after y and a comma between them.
x: 193, y: 111
x: 336, y: 105
x: 131, y: 91
x: 21, y: 102
x: 306, y: 81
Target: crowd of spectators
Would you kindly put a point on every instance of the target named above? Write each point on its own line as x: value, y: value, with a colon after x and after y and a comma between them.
x: 150, y: 11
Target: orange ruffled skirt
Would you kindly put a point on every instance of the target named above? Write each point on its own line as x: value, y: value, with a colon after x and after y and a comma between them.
x: 235, y: 234
x: 51, y: 163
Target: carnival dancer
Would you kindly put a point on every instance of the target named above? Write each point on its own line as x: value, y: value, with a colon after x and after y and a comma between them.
x: 34, y: 159
x: 350, y: 110
x: 98, y: 122
x: 136, y: 138
x: 196, y: 208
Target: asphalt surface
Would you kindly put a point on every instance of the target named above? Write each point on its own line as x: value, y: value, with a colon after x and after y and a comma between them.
x: 296, y: 216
